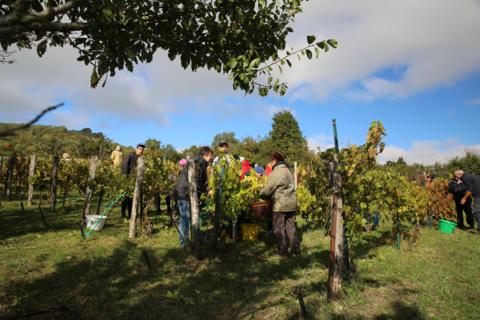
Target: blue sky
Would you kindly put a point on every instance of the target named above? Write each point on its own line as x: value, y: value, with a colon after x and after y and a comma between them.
x: 413, y: 65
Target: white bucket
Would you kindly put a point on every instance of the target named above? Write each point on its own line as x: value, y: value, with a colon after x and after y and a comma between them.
x: 92, y: 219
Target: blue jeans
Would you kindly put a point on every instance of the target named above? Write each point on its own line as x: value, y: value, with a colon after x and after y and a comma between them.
x: 184, y: 209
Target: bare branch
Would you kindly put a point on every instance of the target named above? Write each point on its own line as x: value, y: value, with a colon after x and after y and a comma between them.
x: 12, y: 131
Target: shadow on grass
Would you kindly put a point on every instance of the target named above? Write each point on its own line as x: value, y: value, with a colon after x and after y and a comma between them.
x: 238, y: 284
x: 15, y: 222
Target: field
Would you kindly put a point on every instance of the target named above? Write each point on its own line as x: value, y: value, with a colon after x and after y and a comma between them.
x: 54, y: 274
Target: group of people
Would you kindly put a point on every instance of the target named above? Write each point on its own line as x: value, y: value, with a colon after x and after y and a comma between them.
x: 280, y: 189
x: 465, y: 188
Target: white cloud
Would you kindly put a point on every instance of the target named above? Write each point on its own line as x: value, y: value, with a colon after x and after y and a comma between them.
x: 72, y: 120
x: 431, y: 40
x: 428, y: 152
x: 427, y: 38
x: 320, y: 142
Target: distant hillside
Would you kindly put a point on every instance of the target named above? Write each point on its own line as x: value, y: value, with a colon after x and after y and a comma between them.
x: 49, y: 140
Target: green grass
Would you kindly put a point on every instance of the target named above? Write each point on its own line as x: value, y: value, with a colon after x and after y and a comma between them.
x: 56, y: 275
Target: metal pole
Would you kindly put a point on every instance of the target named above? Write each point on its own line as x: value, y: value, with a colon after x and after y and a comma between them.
x: 335, y: 136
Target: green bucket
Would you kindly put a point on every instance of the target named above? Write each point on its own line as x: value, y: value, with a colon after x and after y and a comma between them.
x: 446, y: 226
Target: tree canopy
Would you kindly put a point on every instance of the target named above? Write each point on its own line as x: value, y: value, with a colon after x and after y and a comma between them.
x: 286, y: 136
x: 240, y: 38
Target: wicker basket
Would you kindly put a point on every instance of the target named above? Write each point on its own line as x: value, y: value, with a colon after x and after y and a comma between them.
x: 261, y: 209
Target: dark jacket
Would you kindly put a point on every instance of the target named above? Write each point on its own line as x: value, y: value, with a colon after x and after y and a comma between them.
x: 129, y: 162
x: 472, y: 183
x: 457, y: 189
x: 181, y: 190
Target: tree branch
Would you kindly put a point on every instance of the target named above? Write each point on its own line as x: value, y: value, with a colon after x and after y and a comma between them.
x: 286, y: 56
x: 20, y: 16
x: 12, y: 131
x: 14, y: 31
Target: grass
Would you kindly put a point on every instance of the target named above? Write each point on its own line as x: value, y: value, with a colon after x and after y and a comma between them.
x: 54, y: 274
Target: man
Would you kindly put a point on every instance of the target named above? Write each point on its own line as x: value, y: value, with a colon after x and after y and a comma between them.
x: 472, y: 184
x: 223, y: 152
x: 458, y: 189
x: 181, y: 191
x: 128, y: 166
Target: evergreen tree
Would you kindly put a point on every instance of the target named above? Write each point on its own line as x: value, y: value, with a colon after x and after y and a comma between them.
x: 287, y: 138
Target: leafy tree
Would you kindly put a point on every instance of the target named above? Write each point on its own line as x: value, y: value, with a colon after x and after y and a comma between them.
x: 287, y: 138
x: 170, y: 153
x: 241, y: 38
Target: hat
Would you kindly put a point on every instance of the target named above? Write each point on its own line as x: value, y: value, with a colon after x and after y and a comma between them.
x: 182, y: 162
x: 222, y: 143
x: 140, y: 145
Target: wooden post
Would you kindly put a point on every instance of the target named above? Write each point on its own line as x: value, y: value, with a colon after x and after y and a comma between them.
x: 89, y: 193
x: 31, y: 173
x: 53, y: 187
x: 136, y: 197
x: 194, y: 206
x: 295, y: 174
x: 335, y: 269
x: 9, y: 177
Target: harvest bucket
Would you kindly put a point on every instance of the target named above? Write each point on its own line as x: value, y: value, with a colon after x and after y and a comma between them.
x: 250, y: 231
x: 92, y: 223
x: 261, y: 209
x: 446, y: 226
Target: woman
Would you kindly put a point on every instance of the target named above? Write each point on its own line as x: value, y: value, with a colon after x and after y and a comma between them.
x: 281, y: 189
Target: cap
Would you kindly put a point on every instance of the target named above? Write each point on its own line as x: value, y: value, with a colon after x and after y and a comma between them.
x: 222, y: 143
x: 140, y: 145
x: 182, y: 162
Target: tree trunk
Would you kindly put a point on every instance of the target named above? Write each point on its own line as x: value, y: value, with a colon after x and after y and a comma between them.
x: 31, y: 173
x: 99, y: 203
x: 295, y: 174
x: 9, y: 177
x: 53, y: 187
x: 335, y: 269
x: 136, y: 197
x: 89, y: 193
x: 194, y: 206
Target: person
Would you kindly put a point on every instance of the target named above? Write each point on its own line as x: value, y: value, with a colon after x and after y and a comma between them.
x: 458, y: 189
x: 259, y: 170
x: 128, y: 166
x: 181, y: 191
x: 245, y: 169
x: 116, y: 157
x: 268, y: 169
x: 182, y: 163
x: 472, y: 184
x: 280, y: 188
x: 223, y: 152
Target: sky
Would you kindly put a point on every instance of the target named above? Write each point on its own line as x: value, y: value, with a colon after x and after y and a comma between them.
x: 414, y: 65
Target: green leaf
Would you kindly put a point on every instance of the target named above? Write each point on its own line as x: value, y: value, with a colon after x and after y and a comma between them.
x: 263, y: 91
x: 107, y: 14
x: 309, y: 53
x: 94, y: 78
x: 254, y: 63
x: 310, y: 39
x: 42, y: 47
x: 333, y: 43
